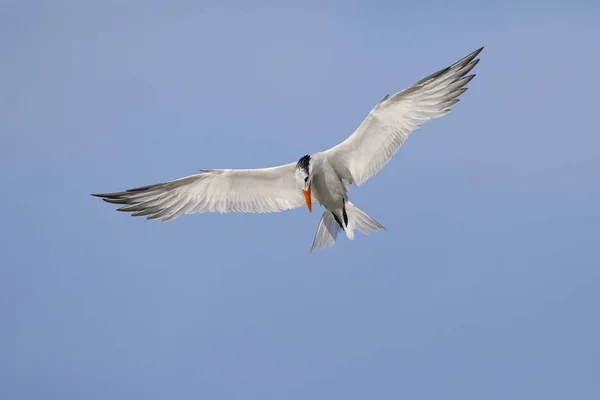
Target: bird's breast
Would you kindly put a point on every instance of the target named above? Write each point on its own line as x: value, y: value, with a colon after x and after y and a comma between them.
x: 328, y: 189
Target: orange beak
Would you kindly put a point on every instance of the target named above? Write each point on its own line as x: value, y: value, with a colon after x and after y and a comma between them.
x: 308, y: 198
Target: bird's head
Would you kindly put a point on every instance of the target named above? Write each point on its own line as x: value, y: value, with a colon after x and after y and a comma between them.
x: 304, y: 178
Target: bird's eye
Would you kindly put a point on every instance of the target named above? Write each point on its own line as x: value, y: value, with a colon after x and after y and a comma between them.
x: 306, y: 179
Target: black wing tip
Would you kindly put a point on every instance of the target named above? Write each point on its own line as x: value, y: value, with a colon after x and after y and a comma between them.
x: 107, y: 197
x: 115, y: 195
x: 476, y: 52
x: 473, y: 56
x: 469, y: 59
x: 387, y: 96
x: 116, y: 201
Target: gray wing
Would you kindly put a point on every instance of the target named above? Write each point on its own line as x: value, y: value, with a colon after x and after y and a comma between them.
x: 225, y: 191
x: 394, y: 118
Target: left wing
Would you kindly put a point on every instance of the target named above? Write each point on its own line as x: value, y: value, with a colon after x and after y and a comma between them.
x: 225, y: 191
x: 388, y: 125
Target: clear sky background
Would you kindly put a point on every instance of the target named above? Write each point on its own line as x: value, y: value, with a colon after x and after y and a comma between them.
x: 486, y: 285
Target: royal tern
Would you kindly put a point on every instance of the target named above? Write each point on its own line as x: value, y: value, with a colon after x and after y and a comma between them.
x: 323, y: 177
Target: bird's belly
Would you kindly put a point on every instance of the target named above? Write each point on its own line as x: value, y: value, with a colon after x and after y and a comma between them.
x: 329, y: 193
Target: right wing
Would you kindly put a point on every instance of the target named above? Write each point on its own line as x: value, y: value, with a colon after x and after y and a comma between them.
x: 388, y: 125
x: 225, y: 191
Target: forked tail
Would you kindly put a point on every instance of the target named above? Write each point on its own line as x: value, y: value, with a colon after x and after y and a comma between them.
x: 329, y: 226
x: 326, y: 231
x: 359, y: 220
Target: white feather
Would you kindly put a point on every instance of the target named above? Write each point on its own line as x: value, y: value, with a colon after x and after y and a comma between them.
x: 248, y: 190
x: 394, y: 118
x: 326, y: 231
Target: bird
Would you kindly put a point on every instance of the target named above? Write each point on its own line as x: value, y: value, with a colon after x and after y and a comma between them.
x: 321, y: 178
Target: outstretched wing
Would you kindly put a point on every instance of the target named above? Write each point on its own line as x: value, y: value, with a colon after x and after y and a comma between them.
x: 229, y: 190
x: 388, y: 125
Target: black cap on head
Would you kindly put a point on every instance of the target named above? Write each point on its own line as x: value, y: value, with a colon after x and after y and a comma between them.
x: 303, y: 163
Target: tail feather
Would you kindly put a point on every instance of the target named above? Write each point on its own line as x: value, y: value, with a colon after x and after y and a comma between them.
x: 360, y: 221
x: 357, y: 219
x: 326, y: 231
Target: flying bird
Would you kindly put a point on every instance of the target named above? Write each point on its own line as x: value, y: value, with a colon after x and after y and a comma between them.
x: 324, y: 177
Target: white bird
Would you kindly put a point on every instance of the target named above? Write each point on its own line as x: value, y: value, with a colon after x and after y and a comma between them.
x: 323, y: 177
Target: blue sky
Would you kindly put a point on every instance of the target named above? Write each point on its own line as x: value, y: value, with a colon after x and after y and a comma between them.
x: 486, y: 285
